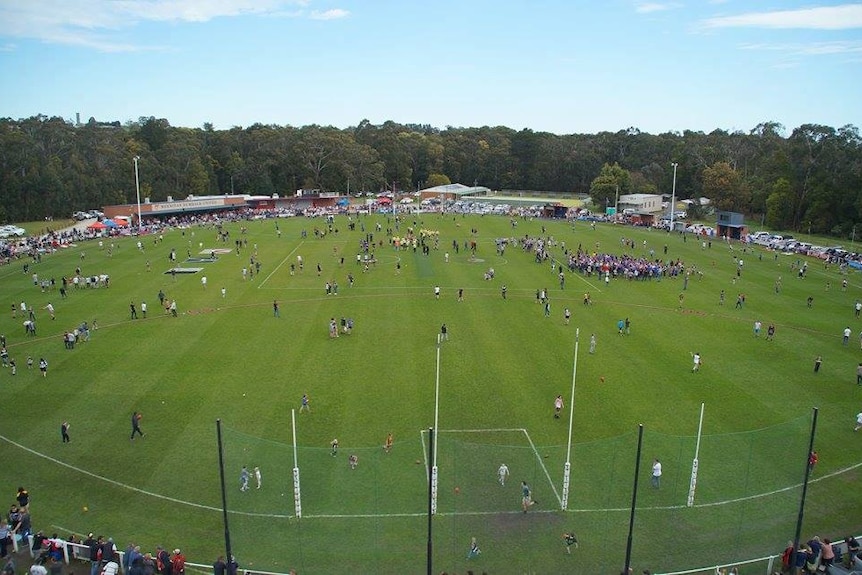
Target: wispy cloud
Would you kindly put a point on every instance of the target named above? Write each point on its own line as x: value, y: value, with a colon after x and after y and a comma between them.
x: 809, y: 49
x: 842, y: 17
x: 333, y: 14
x: 650, y: 7
x: 99, y: 24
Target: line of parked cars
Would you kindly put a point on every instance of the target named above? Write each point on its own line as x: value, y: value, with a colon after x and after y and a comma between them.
x: 789, y: 245
x: 81, y: 216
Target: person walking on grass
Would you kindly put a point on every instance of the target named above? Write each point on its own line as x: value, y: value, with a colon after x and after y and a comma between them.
x: 136, y: 425
x: 503, y: 474
x: 696, y: 361
x: 817, y: 361
x: 571, y: 540
x: 858, y: 421
x: 304, y: 404
x: 64, y: 432
x: 558, y: 406
x: 593, y: 343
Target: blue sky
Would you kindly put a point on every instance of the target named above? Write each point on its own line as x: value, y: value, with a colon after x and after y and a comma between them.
x: 563, y: 66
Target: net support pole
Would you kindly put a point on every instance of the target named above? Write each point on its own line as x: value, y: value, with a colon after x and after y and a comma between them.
x: 432, y: 472
x: 634, y: 500
x: 567, y: 468
x: 694, y: 463
x: 433, y: 445
x: 227, y: 548
x: 808, y: 469
x: 297, y: 494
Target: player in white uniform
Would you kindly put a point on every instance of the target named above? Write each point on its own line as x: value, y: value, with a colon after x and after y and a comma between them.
x: 503, y: 473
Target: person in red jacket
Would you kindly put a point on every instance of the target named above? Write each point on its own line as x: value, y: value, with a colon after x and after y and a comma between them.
x: 178, y: 563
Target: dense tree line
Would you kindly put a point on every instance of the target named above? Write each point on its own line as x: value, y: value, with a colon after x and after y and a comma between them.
x: 809, y: 179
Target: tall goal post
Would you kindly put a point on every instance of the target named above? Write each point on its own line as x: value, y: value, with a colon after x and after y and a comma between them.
x: 694, y: 463
x: 297, y: 495
x: 433, y: 486
x: 567, y: 468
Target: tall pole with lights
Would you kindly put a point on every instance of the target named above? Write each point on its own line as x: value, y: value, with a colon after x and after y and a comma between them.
x: 673, y: 196
x: 138, y: 190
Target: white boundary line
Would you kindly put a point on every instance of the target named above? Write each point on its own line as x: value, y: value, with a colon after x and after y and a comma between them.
x: 500, y: 430
x: 545, y: 469
x: 579, y: 275
x: 419, y: 514
x: 287, y: 257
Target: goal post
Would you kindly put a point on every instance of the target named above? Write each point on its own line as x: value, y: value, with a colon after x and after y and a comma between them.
x: 695, y: 462
x: 297, y: 493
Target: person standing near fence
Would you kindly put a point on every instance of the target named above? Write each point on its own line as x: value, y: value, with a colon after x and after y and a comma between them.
x: 220, y: 567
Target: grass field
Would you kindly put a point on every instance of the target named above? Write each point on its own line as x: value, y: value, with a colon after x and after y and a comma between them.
x: 230, y: 358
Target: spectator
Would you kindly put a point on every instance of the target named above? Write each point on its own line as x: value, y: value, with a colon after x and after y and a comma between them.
x: 5, y: 537
x: 178, y: 563
x: 111, y: 566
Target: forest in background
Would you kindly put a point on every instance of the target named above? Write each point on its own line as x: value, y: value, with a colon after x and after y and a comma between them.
x: 809, y: 179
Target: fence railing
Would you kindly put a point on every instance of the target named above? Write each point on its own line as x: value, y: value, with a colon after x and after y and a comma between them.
x: 80, y: 552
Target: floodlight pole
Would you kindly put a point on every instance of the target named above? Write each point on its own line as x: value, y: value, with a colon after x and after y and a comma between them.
x: 227, y: 549
x: 138, y: 190
x: 673, y: 196
x: 567, y: 469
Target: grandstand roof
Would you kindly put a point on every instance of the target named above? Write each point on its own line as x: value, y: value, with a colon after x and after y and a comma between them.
x: 456, y: 189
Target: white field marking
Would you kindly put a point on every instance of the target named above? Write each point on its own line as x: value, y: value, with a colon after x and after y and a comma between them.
x: 287, y: 257
x: 475, y: 430
x: 422, y: 514
x: 545, y: 469
x: 581, y: 276
x: 137, y: 489
x: 424, y: 451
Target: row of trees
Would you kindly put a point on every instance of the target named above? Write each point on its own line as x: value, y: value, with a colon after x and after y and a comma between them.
x: 809, y: 179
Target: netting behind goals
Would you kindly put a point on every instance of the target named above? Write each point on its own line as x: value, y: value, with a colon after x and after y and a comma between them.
x: 746, y: 497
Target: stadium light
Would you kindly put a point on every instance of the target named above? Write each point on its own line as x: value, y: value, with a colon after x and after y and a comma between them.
x: 673, y: 196
x: 138, y: 190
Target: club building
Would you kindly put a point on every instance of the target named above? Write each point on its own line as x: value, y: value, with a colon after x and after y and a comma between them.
x: 303, y: 199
